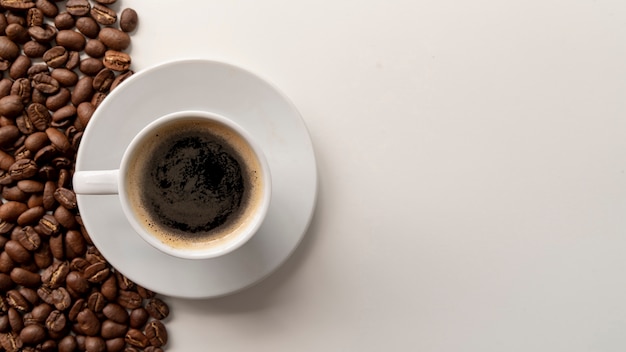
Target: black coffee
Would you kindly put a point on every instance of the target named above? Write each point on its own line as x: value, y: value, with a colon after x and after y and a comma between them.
x: 193, y: 180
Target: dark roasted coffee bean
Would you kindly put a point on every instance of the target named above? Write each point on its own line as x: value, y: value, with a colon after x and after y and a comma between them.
x: 103, y: 15
x: 136, y: 338
x: 57, y: 247
x: 45, y: 154
x: 68, y: 344
x: 65, y: 197
x: 71, y: 40
x: 64, y: 175
x: 111, y: 329
x: 14, y: 194
x: 83, y: 90
x: 115, y: 345
x: 38, y: 114
x: 15, y: 299
x: 90, y: 66
x: 59, y: 297
x: 34, y: 17
x: 77, y: 282
x: 16, y: 17
x: 73, y: 60
x: 76, y: 308
x: 24, y: 124
x: 116, y: 313
x: 65, y: 77
x: 5, y: 227
x: 20, y: 67
x: 33, y: 334
x: 138, y: 318
x: 5, y: 86
x: 109, y: 288
x: 5, y: 326
x: 55, y: 275
x: 84, y: 111
x: 121, y: 78
x: 28, y: 237
x: 17, y: 33
x: 49, y: 201
x: 30, y: 186
x: 45, y: 83
x: 129, y: 299
x: 40, y: 313
x: 116, y: 60
x: 114, y: 39
x: 6, y: 263
x: 17, y: 5
x: 10, y: 341
x: 48, y: 8
x: 67, y: 219
x: 157, y: 309
x: 128, y: 20
x: 17, y: 252
x: 97, y: 98
x: 49, y: 225
x: 96, y: 302
x: 78, y: 7
x: 97, y: 272
x: 33, y: 49
x: 64, y: 21
x: 88, y: 26
x: 103, y: 80
x: 43, y: 34
x: 35, y: 200
x: 61, y: 98
x: 8, y: 52
x: 37, y: 68
x: 25, y: 278
x: 23, y: 169
x: 95, y: 48
x: 56, y: 321
x: 56, y: 56
x: 6, y: 160
x: 88, y: 322
x: 6, y: 284
x: 8, y: 135
x: 11, y: 105
x: 60, y: 142
x: 15, y: 320
x: 21, y: 88
x: 42, y: 256
x: 3, y: 23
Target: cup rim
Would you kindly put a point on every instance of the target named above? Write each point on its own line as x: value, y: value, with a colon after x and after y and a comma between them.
x: 221, y: 249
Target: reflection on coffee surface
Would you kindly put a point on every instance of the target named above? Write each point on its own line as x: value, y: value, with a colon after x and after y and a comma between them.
x: 198, y: 180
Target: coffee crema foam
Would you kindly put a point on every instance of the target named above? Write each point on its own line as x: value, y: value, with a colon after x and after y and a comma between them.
x: 193, y: 182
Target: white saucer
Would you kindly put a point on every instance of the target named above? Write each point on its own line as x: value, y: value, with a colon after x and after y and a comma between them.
x: 228, y: 91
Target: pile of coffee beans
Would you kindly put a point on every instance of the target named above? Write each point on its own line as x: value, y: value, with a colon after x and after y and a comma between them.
x: 59, y: 60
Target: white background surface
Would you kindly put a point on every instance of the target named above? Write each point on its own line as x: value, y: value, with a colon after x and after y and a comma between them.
x: 471, y: 162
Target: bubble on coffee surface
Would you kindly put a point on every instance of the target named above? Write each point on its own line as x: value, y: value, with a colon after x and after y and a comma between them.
x: 197, y: 182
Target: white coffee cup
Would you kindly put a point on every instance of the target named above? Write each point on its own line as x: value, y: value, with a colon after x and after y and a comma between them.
x: 193, y: 184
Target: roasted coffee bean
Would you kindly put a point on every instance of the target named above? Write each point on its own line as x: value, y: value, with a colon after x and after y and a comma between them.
x: 20, y: 67
x: 77, y: 282
x: 129, y: 299
x: 21, y: 88
x: 128, y: 20
x: 36, y: 141
x: 109, y: 288
x: 76, y: 308
x: 115, y: 345
x: 71, y: 40
x: 28, y: 237
x: 59, y: 297
x: 88, y: 322
x: 97, y: 98
x: 64, y: 196
x: 22, y: 153
x: 90, y: 66
x: 65, y: 77
x: 136, y: 338
x: 39, y: 115
x: 45, y: 154
x: 103, y: 80
x: 24, y: 124
x: 6, y: 160
x: 3, y: 23
x: 68, y: 344
x: 5, y: 86
x: 116, y: 313
x: 116, y: 60
x: 49, y: 201
x: 33, y: 334
x: 40, y: 313
x: 42, y: 256
x: 84, y: 111
x: 56, y: 321
x: 5, y: 227
x: 33, y: 49
x: 103, y: 15
x: 23, y: 169
x: 37, y: 68
x: 56, y: 56
x: 157, y: 309
x: 43, y: 34
x: 73, y: 60
x: 10, y: 341
x: 11, y: 105
x: 30, y: 186
x: 17, y: 33
x: 17, y: 252
x: 82, y: 91
x: 121, y: 78
x: 15, y: 299
x: 60, y: 142
x: 45, y: 83
x: 88, y: 27
x: 55, y: 275
x: 17, y: 5
x: 95, y: 48
x: 48, y: 8
x: 97, y: 272
x: 111, y: 329
x: 57, y: 247
x: 15, y: 320
x: 14, y: 194
x: 64, y: 175
x: 16, y: 17
x: 6, y: 284
x: 114, y: 38
x: 64, y: 21
x: 138, y: 318
x: 62, y: 97
x: 6, y: 263
x: 35, y: 200
x: 49, y: 225
x: 34, y: 17
x: 78, y: 7
x: 8, y: 135
x: 67, y: 219
x: 5, y: 326
x: 25, y: 278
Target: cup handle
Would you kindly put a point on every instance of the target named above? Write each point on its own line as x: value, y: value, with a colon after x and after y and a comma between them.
x: 96, y: 182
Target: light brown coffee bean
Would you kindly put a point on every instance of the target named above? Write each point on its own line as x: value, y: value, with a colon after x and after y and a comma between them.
x: 65, y: 77
x: 114, y: 38
x: 8, y: 49
x: 31, y: 216
x: 11, y: 105
x: 71, y: 40
x: 29, y: 238
x: 103, y: 15
x: 121, y: 78
x: 116, y: 60
x: 95, y: 48
x: 106, y: 2
x: 10, y: 211
x: 103, y: 80
x: 128, y: 20
x: 84, y: 111
x: 49, y: 226
x: 65, y: 197
x: 60, y: 142
x: 14, y: 194
x: 56, y: 56
x: 136, y: 338
x: 25, y: 278
x: 157, y: 309
x: 88, y: 27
